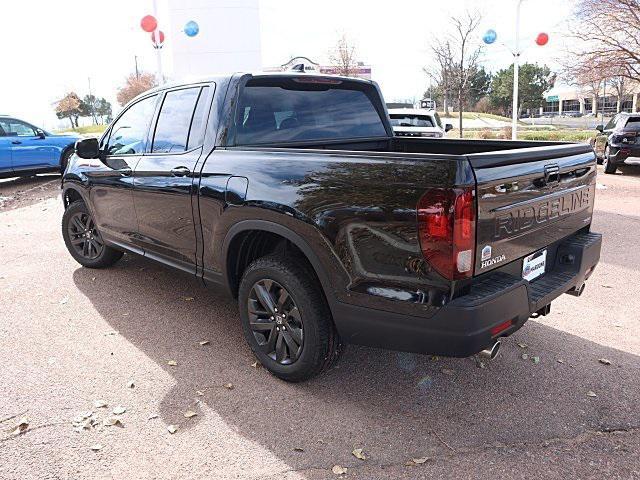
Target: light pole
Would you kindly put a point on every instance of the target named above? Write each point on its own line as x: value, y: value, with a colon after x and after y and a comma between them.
x: 156, y: 34
x: 516, y: 74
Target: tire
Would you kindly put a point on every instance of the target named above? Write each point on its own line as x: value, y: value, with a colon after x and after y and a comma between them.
x: 609, y: 167
x: 83, y: 240
x: 301, y: 341
x: 64, y: 159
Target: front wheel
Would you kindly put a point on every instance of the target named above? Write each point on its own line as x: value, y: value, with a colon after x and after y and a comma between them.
x: 286, y: 319
x: 609, y: 166
x: 83, y: 240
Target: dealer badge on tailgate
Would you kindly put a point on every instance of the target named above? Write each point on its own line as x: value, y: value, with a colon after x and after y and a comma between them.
x: 533, y: 266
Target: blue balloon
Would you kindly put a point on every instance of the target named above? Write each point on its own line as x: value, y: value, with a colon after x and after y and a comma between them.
x: 191, y: 28
x: 490, y: 36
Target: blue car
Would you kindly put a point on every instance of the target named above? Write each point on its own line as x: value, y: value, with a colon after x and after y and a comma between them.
x: 27, y: 150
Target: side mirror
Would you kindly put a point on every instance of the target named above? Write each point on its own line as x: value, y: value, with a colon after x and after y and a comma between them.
x: 40, y: 133
x: 87, y: 148
x: 600, y: 128
x: 448, y: 127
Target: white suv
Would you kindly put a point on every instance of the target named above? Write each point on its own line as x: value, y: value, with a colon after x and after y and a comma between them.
x: 415, y: 122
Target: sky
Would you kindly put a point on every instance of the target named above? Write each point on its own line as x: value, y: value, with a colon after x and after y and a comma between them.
x: 53, y: 47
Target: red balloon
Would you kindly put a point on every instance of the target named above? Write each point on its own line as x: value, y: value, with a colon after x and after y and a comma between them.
x: 149, y: 23
x: 160, y: 36
x: 542, y: 39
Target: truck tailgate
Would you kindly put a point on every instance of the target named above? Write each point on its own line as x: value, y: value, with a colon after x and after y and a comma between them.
x: 529, y: 198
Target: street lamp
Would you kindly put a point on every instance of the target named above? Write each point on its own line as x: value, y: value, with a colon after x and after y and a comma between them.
x: 490, y: 37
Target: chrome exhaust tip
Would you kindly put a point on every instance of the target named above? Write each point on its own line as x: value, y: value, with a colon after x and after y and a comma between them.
x: 490, y: 353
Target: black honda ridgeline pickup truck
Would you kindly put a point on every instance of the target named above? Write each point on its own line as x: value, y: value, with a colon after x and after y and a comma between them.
x: 290, y: 192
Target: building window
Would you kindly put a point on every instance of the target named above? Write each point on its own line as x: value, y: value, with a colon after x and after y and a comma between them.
x: 608, y: 105
x: 570, y: 106
x: 588, y: 105
x: 551, y: 107
x: 626, y: 105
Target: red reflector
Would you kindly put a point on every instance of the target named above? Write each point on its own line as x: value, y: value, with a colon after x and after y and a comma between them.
x: 501, y: 328
x: 447, y: 230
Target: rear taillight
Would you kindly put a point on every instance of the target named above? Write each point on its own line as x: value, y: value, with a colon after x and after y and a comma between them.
x: 447, y: 231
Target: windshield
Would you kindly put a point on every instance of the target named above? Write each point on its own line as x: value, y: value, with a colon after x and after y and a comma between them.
x: 410, y: 120
x: 293, y: 110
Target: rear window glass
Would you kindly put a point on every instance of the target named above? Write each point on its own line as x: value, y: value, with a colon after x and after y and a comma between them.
x: 633, y: 123
x: 283, y: 110
x: 174, y: 121
x: 408, y: 120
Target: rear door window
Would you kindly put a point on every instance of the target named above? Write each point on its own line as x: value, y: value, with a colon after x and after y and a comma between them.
x: 176, y: 115
x: 286, y: 110
x: 410, y: 120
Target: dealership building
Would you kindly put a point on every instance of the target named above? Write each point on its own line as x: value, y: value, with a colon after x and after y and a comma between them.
x: 563, y: 99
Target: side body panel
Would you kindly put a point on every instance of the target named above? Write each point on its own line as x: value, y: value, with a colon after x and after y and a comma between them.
x: 355, y: 211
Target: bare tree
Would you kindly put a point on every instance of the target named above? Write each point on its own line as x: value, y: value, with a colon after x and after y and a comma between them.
x: 442, y: 69
x: 134, y: 85
x: 343, y: 57
x: 467, y: 52
x: 606, y: 36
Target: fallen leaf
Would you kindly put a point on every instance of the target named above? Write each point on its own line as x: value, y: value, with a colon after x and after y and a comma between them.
x: 189, y: 414
x: 112, y: 421
x: 64, y: 300
x: 525, y: 356
x: 152, y: 416
x: 523, y: 345
x: 339, y: 470
x: 172, y: 429
x: 591, y: 394
x: 298, y: 449
x: 172, y: 363
x: 188, y: 299
x: 200, y: 393
x: 560, y: 360
x: 203, y: 343
x: 358, y: 453
x: 228, y: 386
x: 448, y: 371
x: 96, y: 447
x: 536, y: 360
x: 607, y: 286
x: 604, y: 361
x: 119, y: 410
x: 131, y: 384
x: 93, y: 279
x: 256, y: 364
x: 99, y: 404
x: 420, y: 460
x: 22, y: 426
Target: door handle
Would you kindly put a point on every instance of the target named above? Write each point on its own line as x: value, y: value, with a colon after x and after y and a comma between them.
x: 125, y: 172
x: 17, y: 142
x: 180, y: 171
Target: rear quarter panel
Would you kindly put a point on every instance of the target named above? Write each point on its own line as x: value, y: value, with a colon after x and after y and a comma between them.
x: 357, y: 211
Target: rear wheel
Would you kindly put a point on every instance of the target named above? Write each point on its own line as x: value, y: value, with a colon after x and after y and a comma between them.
x: 609, y: 167
x: 286, y: 319
x: 83, y: 240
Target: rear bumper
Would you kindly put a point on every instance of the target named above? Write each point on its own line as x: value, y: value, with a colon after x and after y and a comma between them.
x: 463, y: 327
x: 619, y: 153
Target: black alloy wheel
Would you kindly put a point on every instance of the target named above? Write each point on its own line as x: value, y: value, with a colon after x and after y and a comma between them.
x: 275, y: 321
x: 84, y: 237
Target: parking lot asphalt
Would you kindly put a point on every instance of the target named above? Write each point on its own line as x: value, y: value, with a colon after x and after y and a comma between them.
x: 132, y: 336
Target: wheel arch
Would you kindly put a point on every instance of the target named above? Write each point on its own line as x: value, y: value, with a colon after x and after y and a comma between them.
x: 235, y: 234
x: 71, y: 194
x: 64, y: 151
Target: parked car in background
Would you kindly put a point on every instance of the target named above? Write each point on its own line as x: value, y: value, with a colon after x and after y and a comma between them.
x: 26, y: 149
x: 618, y: 141
x: 414, y: 122
x: 291, y: 193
